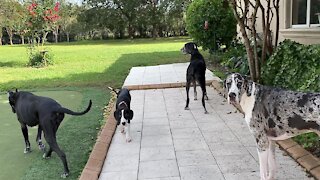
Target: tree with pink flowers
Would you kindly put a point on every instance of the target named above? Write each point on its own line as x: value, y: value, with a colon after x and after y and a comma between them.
x: 42, y: 19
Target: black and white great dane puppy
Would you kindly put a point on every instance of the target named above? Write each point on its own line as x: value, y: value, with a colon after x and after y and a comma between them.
x: 35, y: 110
x: 273, y: 114
x: 123, y: 113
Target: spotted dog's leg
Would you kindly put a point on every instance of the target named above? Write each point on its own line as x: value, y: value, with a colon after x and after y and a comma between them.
x: 263, y: 152
x: 272, y: 161
x: 128, y: 137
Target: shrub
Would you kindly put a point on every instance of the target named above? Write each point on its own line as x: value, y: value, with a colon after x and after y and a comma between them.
x: 221, y: 24
x: 296, y: 67
x: 39, y: 58
x: 235, y: 58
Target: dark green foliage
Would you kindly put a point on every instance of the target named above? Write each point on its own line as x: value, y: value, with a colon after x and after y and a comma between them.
x: 235, y: 58
x: 297, y: 67
x: 221, y: 23
x: 39, y: 58
x: 294, y: 66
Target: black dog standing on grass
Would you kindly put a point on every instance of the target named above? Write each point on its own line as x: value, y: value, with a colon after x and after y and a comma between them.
x: 123, y: 113
x: 35, y: 110
x: 196, y: 72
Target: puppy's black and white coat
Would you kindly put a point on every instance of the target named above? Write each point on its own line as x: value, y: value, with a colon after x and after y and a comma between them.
x: 123, y: 113
x: 273, y: 114
x: 196, y: 72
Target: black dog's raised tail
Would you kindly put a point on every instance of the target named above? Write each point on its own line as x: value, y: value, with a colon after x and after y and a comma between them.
x: 68, y: 111
x: 117, y: 92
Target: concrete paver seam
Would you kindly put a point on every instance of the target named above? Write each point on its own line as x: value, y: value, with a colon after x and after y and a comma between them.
x: 207, y: 143
x: 232, y: 130
x: 175, y: 154
x: 144, y: 96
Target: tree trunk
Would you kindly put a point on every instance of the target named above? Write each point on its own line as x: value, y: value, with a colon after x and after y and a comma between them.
x: 44, y: 38
x: 249, y: 49
x: 68, y: 38
x: 0, y: 40
x: 10, y: 33
x: 22, y: 39
x: 56, y: 37
x: 130, y: 31
x: 276, y: 6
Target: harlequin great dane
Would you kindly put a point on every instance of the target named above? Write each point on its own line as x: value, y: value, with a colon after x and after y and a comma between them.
x: 273, y: 114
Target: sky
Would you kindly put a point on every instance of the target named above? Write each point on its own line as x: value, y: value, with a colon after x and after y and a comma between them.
x: 75, y: 1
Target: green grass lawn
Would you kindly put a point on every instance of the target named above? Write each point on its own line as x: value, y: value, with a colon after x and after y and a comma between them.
x: 75, y: 136
x: 85, y: 68
x: 88, y: 63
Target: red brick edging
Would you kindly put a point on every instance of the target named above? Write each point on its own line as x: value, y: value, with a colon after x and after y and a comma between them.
x: 98, y: 154
x: 298, y: 153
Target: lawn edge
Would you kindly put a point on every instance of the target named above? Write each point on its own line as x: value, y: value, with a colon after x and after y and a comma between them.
x: 309, y: 162
x: 94, y: 165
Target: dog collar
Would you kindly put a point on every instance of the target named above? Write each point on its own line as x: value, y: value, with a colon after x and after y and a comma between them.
x: 122, y: 102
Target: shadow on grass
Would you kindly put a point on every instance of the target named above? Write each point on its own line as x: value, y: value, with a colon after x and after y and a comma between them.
x: 112, y: 76
x: 124, y: 42
x: 12, y: 64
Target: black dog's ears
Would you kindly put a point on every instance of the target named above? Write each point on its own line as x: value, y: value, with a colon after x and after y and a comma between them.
x: 131, y: 114
x: 112, y: 89
x: 195, y: 46
x: 128, y: 114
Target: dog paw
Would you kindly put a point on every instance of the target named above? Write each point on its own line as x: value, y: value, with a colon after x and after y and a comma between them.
x: 206, y: 112
x: 64, y: 175
x: 206, y: 97
x: 128, y: 140
x: 42, y: 147
x: 195, y: 98
x: 186, y: 108
x: 44, y: 156
x: 27, y: 150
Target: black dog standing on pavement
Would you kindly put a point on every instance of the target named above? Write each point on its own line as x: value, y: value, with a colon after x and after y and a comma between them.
x: 35, y: 110
x: 196, y: 72
x: 123, y: 113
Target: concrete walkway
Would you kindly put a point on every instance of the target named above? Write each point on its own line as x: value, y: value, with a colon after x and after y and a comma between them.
x: 170, y: 143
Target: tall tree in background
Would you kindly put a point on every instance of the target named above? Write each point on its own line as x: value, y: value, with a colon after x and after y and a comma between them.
x: 21, y: 28
x: 1, y: 21
x: 12, y: 16
x: 68, y: 21
x: 42, y: 19
x: 245, y: 12
x: 128, y: 9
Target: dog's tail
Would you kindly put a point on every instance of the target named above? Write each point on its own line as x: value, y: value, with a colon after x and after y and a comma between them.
x: 68, y: 111
x: 117, y: 92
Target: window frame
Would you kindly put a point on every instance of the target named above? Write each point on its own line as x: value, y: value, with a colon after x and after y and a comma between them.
x: 307, y: 25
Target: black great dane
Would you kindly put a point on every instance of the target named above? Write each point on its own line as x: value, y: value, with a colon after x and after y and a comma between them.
x: 35, y: 110
x: 196, y: 72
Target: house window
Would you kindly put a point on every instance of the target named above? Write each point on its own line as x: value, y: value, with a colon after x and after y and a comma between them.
x: 305, y: 13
